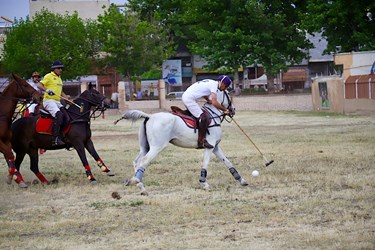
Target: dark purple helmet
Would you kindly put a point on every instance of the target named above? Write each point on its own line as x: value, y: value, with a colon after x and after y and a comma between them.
x: 57, y: 64
x: 225, y: 79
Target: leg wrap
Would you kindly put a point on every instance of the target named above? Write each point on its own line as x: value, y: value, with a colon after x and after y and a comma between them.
x: 41, y: 177
x: 139, y: 173
x: 235, y: 174
x: 89, y: 175
x: 203, y: 175
x: 11, y: 166
x: 102, y: 166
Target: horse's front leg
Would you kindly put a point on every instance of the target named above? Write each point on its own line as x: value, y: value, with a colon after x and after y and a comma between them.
x: 206, y: 159
x: 91, y: 149
x: 79, y: 147
x: 14, y: 174
x: 219, y: 153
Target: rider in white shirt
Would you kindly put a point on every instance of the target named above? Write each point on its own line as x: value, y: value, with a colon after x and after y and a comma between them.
x: 207, y: 89
x: 33, y: 81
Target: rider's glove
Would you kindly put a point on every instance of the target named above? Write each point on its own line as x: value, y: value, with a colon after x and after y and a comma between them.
x: 49, y: 92
x: 232, y: 111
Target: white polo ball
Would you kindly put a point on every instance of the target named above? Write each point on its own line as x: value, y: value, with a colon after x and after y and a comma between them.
x: 255, y: 173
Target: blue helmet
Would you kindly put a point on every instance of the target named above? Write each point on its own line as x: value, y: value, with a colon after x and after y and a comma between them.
x: 225, y: 79
x: 57, y: 64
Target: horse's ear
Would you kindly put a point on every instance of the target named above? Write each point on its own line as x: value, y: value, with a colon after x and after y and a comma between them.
x: 15, y: 77
x: 90, y: 85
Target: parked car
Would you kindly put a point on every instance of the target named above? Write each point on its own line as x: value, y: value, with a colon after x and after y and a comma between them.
x: 175, y: 95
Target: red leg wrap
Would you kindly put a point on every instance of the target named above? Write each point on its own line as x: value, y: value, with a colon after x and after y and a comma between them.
x: 41, y: 177
x: 18, y: 177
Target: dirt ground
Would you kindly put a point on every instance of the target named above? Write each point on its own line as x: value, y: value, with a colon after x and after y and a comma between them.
x: 318, y: 194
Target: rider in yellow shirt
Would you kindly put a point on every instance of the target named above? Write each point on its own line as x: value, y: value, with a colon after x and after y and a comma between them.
x: 52, y: 86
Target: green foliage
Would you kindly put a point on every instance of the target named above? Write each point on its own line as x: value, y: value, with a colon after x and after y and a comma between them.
x: 132, y: 45
x: 152, y: 74
x: 344, y: 23
x: 231, y: 34
x: 34, y: 44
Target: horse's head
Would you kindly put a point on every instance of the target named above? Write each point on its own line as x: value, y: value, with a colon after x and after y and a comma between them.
x: 95, y: 98
x: 25, y: 90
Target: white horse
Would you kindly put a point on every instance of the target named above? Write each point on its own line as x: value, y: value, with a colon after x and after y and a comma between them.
x: 160, y: 129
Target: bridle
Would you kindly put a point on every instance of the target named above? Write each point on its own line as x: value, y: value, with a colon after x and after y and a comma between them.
x: 99, y: 106
x: 23, y: 101
x: 213, y: 114
x: 19, y: 86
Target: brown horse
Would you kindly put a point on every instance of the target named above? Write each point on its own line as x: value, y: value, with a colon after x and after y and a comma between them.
x: 34, y: 132
x: 17, y: 90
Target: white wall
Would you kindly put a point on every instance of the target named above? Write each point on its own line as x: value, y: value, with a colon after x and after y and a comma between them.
x: 87, y: 9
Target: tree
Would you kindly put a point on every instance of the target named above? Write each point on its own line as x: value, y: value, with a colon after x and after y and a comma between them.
x: 347, y: 25
x: 238, y: 33
x: 34, y: 44
x: 132, y: 45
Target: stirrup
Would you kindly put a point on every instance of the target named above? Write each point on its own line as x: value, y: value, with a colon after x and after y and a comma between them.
x: 57, y: 142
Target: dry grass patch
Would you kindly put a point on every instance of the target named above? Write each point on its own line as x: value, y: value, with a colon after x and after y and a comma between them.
x: 319, y: 193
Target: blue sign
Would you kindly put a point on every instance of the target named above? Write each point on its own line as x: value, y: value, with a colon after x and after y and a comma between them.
x: 373, y: 68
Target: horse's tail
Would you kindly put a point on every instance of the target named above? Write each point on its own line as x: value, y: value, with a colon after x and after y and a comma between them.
x: 133, y: 115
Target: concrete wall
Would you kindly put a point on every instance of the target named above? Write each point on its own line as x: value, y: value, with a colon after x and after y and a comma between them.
x: 365, y: 106
x: 87, y: 9
x: 337, y: 102
x: 335, y: 94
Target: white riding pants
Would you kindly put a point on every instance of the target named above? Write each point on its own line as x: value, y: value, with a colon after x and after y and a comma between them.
x: 192, y: 106
x: 52, y: 106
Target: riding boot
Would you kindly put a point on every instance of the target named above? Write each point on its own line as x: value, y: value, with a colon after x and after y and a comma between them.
x: 203, y: 124
x: 56, y: 140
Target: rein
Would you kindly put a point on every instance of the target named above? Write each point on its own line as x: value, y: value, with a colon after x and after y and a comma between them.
x: 221, y: 116
x: 81, y: 115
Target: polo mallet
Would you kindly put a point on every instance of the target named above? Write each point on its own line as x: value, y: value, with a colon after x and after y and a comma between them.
x: 75, y: 104
x: 267, y: 161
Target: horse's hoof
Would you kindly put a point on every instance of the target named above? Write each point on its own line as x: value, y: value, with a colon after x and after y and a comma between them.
x: 132, y: 181
x: 9, y: 179
x: 205, y: 185
x: 243, y: 182
x: 94, y: 182
x: 22, y: 185
x: 142, y: 189
x: 109, y: 173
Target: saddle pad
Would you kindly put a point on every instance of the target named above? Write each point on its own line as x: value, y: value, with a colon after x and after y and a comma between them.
x: 44, y: 126
x: 189, y: 120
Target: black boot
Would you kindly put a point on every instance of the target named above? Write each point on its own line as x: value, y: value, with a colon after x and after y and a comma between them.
x: 56, y: 140
x: 203, y: 124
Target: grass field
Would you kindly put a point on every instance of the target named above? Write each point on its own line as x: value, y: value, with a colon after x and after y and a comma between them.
x: 318, y: 194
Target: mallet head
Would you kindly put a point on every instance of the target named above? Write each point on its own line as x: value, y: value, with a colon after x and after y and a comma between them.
x: 269, y: 163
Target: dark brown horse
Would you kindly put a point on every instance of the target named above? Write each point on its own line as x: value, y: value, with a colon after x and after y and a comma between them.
x: 29, y: 136
x: 17, y: 90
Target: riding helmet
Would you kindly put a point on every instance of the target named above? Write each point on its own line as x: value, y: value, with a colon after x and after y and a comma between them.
x: 225, y: 79
x: 57, y: 64
x: 35, y: 73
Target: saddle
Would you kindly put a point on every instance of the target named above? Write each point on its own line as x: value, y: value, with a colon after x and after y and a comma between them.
x: 187, y: 117
x: 44, y: 124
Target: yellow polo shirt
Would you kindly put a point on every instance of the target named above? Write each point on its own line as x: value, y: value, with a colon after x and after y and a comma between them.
x: 52, y: 82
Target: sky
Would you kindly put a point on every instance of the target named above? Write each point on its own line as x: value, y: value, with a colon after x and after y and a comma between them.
x: 20, y: 8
